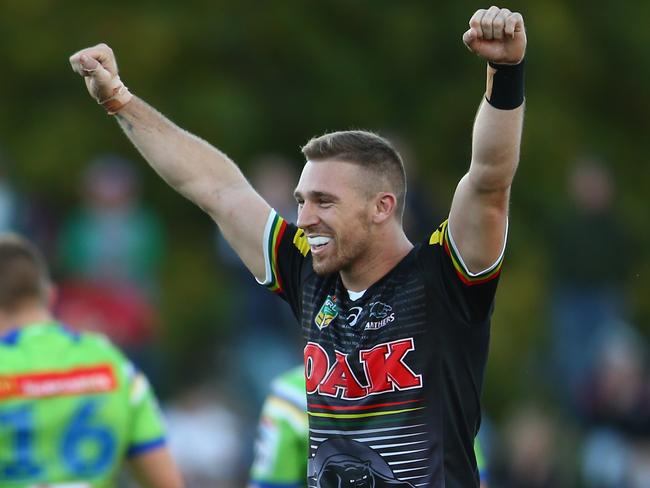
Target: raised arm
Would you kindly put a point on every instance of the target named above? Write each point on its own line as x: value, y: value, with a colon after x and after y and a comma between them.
x: 194, y: 168
x: 479, y: 210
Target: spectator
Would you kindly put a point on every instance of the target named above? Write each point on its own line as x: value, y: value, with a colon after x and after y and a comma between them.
x: 265, y: 333
x: 589, y: 294
x: 111, y: 251
x: 8, y: 202
x: 616, y: 407
x: 531, y: 452
x: 205, y: 438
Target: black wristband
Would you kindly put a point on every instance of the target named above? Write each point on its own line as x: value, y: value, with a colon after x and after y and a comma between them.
x: 507, y: 87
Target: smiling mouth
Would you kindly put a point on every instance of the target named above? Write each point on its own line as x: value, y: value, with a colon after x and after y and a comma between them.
x: 317, y: 243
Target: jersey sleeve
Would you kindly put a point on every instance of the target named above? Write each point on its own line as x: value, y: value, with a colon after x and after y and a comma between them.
x: 469, y: 295
x: 285, y: 253
x: 281, y: 448
x: 147, y: 430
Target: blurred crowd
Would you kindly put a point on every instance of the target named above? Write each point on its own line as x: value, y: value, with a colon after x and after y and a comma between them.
x: 593, y: 430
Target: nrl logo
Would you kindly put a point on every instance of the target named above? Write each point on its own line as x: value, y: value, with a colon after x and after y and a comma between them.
x: 327, y: 313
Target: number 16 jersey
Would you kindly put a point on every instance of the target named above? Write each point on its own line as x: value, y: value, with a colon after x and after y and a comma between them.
x: 72, y: 408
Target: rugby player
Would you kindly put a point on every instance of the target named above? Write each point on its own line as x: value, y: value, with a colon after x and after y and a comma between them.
x: 72, y: 408
x: 397, y: 333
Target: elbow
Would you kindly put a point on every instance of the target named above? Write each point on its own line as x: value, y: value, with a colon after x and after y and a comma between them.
x: 486, y: 179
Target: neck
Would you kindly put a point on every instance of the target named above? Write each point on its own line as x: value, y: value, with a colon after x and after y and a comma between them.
x: 23, y: 316
x: 378, y: 263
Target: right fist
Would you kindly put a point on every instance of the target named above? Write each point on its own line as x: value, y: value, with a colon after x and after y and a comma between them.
x: 98, y: 67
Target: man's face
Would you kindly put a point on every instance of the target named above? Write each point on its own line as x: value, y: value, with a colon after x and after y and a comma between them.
x: 335, y: 214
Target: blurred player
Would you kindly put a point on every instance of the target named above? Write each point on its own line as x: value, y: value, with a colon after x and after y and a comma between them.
x: 72, y: 408
x: 282, y: 445
x: 481, y: 464
x: 397, y: 333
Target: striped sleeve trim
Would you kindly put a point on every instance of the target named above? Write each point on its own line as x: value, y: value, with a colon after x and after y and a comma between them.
x: 141, y: 448
x: 300, y: 241
x: 442, y: 236
x: 291, y: 394
x: 280, y: 409
x: 273, y: 232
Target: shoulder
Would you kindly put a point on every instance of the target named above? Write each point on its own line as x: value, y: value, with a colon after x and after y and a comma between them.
x: 94, y: 348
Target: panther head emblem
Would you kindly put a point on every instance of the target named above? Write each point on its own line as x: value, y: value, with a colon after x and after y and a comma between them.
x: 379, y: 310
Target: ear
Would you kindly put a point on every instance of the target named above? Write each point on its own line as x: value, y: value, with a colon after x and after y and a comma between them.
x: 384, y: 207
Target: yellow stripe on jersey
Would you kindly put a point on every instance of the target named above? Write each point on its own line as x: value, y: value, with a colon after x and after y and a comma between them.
x: 300, y: 241
x: 361, y: 415
x: 436, y: 237
x: 279, y: 408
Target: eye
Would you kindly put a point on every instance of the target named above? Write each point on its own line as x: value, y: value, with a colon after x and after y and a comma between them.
x: 325, y: 203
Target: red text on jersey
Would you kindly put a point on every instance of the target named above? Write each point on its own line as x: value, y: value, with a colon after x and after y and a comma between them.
x: 383, y: 365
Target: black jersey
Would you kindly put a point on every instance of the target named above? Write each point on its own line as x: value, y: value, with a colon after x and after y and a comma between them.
x: 394, y: 377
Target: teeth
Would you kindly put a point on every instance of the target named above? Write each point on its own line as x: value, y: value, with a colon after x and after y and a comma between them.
x: 318, y: 240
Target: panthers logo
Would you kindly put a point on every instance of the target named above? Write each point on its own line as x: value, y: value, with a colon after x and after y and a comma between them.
x: 379, y: 310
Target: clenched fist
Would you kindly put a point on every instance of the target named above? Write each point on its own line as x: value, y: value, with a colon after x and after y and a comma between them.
x: 497, y: 35
x: 98, y: 67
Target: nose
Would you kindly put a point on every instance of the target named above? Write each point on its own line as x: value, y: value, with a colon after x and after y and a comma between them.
x: 307, y: 215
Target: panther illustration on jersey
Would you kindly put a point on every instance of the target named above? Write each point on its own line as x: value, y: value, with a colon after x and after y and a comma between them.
x: 355, y: 474
x: 361, y: 467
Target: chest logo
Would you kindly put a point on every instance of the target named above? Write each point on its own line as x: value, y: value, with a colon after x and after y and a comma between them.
x: 328, y: 312
x: 380, y: 315
x: 384, y: 370
x: 353, y: 315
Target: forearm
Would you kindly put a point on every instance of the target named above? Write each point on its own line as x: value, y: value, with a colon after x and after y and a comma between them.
x: 496, y: 144
x: 187, y: 163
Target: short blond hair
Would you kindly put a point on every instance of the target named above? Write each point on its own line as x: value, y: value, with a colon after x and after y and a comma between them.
x: 368, y: 150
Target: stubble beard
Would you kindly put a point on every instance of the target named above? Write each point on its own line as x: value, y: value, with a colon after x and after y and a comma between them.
x: 344, y: 256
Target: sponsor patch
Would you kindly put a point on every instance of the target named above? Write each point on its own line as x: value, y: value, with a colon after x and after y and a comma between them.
x: 384, y: 369
x: 328, y: 312
x: 77, y: 381
x: 353, y: 315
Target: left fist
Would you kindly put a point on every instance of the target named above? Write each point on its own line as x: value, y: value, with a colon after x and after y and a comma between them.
x: 497, y: 35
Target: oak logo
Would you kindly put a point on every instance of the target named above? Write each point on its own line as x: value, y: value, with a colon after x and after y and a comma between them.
x: 383, y: 366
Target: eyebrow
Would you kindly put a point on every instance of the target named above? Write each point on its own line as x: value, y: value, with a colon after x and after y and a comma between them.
x: 317, y: 195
